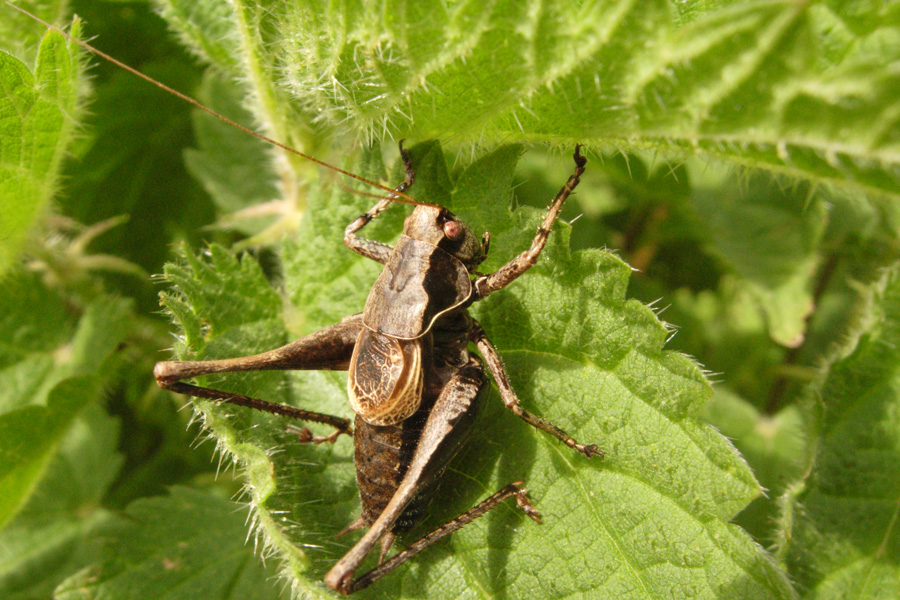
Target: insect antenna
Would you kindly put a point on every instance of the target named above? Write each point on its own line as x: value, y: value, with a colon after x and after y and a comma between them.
x: 395, y: 195
x: 351, y: 190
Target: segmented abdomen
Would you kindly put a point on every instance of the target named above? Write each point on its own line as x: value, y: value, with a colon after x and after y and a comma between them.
x: 382, y: 455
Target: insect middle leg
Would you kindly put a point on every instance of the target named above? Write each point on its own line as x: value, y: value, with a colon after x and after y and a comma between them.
x: 328, y: 349
x: 492, y: 358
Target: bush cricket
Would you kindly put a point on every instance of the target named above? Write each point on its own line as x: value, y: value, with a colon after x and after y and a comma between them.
x: 413, y: 384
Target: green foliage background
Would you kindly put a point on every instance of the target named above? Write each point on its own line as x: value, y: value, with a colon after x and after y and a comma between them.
x: 744, y: 160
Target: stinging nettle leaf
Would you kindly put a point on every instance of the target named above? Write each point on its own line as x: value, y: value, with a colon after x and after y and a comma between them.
x: 579, y: 354
x: 38, y: 112
x: 57, y: 370
x: 53, y: 536
x: 795, y: 88
x: 843, y: 539
x: 802, y: 89
x: 186, y: 545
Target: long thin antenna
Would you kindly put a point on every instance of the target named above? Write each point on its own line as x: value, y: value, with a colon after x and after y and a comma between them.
x: 397, y: 196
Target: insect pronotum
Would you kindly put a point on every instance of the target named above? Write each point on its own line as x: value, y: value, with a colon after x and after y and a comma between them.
x: 413, y: 384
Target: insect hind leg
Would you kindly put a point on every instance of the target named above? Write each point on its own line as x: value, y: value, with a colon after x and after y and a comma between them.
x: 329, y: 348
x: 340, y: 424
x: 446, y: 429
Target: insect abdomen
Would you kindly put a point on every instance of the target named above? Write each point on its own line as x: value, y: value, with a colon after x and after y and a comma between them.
x: 383, y: 453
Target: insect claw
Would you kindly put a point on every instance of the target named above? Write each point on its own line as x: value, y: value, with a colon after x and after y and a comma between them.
x: 525, y: 504
x: 304, y: 435
x: 590, y: 451
x: 359, y: 523
x: 580, y: 161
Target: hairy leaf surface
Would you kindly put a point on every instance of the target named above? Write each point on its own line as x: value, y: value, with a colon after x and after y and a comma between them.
x: 38, y: 109
x: 844, y: 517
x: 806, y: 89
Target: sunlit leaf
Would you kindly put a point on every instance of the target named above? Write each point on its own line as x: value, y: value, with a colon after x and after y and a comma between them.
x: 579, y: 354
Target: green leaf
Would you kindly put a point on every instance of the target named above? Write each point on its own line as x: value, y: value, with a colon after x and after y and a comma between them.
x: 778, y: 447
x: 37, y: 123
x: 843, y: 536
x: 578, y: 353
x: 752, y: 264
x: 52, y: 537
x: 805, y: 89
x: 48, y: 379
x: 17, y: 32
x: 130, y: 158
x: 771, y: 239
x: 187, y: 545
x: 234, y: 167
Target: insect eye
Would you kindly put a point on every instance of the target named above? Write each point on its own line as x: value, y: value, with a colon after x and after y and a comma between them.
x: 453, y: 230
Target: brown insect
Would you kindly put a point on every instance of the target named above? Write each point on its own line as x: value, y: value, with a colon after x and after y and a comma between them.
x: 413, y: 384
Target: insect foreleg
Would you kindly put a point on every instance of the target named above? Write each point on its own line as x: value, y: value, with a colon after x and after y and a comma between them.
x: 378, y: 251
x: 511, y: 490
x: 492, y: 358
x: 499, y: 279
x: 444, y: 433
x: 328, y: 349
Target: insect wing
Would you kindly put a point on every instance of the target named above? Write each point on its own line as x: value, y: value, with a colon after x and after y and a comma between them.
x: 386, y: 378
